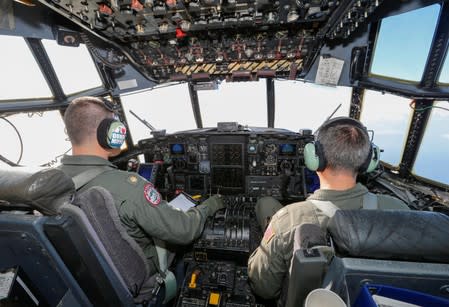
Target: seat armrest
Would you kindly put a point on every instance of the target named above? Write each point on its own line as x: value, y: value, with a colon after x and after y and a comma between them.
x: 44, y: 191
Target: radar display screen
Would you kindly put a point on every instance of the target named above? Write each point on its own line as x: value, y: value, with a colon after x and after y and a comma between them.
x: 227, y: 154
x: 227, y: 178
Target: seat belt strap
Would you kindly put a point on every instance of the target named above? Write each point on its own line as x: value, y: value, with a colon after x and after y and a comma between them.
x: 85, y: 177
x: 370, y: 201
x: 169, y: 279
x: 327, y: 207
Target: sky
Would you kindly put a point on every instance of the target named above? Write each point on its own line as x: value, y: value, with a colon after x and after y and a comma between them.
x: 403, y: 33
x: 299, y: 105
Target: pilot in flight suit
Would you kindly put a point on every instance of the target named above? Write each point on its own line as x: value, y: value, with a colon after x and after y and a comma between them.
x: 143, y: 212
x: 96, y: 135
x: 335, y: 140
x: 269, y: 263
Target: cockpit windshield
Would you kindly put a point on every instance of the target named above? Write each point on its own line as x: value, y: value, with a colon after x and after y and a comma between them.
x: 242, y: 102
x: 167, y: 107
x: 302, y: 105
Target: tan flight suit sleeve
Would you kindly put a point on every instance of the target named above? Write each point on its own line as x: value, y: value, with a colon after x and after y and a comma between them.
x: 269, y: 263
x: 266, y: 265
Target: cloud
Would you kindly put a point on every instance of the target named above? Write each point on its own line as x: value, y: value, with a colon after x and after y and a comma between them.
x: 389, y: 132
x: 445, y: 136
x: 385, y: 109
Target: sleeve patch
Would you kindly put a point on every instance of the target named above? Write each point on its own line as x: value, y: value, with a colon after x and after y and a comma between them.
x: 151, y: 194
x: 269, y: 234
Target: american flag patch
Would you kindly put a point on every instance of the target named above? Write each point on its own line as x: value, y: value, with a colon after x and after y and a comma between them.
x: 269, y: 233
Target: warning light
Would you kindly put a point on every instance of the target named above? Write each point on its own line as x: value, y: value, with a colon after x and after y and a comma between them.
x: 180, y: 33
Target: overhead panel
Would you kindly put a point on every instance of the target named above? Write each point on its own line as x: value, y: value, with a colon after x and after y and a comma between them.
x: 234, y: 39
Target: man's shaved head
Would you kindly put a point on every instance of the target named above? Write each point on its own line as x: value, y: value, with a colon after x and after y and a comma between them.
x: 82, y: 118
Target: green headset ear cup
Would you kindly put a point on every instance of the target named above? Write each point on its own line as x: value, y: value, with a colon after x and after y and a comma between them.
x: 311, y: 160
x: 375, y: 158
x: 111, y: 133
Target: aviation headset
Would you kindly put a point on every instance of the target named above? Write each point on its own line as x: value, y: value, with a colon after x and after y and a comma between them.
x: 314, y: 157
x: 111, y: 133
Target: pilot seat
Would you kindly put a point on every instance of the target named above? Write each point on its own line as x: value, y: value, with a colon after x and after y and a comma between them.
x: 61, y: 248
x: 391, y: 255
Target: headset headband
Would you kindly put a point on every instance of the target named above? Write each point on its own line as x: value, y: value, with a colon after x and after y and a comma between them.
x: 341, y: 120
x: 108, y: 105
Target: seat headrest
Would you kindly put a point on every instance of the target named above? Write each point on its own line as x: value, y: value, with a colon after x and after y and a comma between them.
x: 391, y: 234
x: 45, y: 190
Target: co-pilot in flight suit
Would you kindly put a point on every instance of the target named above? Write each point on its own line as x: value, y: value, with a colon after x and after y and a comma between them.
x: 270, y: 262
x: 142, y: 211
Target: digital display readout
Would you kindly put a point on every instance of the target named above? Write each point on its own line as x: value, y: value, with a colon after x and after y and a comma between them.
x: 287, y: 149
x: 176, y: 149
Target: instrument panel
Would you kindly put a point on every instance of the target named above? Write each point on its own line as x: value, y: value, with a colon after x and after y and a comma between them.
x: 253, y: 163
x: 242, y: 166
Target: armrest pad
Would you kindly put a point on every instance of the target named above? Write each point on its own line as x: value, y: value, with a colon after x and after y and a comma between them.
x: 44, y: 191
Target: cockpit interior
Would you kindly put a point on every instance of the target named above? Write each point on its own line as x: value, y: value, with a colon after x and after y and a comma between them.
x: 221, y: 97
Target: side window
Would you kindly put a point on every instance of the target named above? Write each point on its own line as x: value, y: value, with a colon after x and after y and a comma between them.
x: 411, y: 31
x: 432, y: 159
x: 39, y: 139
x: 444, y: 75
x: 14, y: 60
x: 74, y: 75
x: 389, y: 117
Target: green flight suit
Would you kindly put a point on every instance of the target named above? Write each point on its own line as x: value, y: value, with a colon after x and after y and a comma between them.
x: 270, y: 262
x: 142, y: 211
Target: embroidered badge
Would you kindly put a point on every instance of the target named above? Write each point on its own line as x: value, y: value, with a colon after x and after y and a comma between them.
x: 151, y: 194
x: 116, y: 135
x: 132, y: 179
x: 269, y: 234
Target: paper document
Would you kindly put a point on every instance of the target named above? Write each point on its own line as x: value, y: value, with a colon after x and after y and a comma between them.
x: 329, y: 71
x: 383, y: 301
x: 181, y: 202
x: 6, y: 281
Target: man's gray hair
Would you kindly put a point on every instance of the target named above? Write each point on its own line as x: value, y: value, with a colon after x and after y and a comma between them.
x: 345, y: 146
